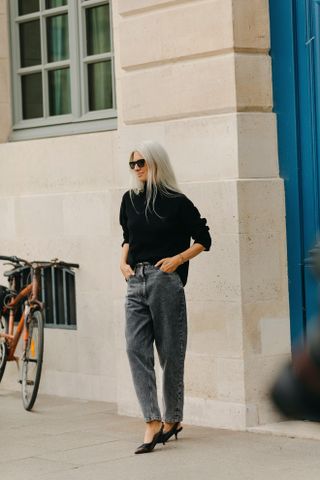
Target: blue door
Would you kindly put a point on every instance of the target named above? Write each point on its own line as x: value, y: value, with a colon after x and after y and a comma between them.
x: 295, y: 52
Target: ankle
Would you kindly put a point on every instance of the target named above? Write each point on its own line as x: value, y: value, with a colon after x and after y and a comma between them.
x: 169, y: 425
x: 154, y: 424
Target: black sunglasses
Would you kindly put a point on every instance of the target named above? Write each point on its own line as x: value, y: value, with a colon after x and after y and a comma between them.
x: 141, y: 163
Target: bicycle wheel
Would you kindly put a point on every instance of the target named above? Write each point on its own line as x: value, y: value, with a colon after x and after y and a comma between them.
x: 3, y: 346
x: 32, y: 361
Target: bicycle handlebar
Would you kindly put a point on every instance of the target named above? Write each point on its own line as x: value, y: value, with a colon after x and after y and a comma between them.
x: 55, y: 262
x: 11, y: 259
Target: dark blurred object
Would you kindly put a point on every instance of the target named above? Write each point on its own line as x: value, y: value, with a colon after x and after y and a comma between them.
x: 313, y: 260
x: 296, y: 392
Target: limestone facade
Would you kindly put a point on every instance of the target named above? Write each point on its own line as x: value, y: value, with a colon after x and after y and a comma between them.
x: 196, y: 76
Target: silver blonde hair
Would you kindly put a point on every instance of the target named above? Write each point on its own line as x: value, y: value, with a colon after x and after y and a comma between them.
x: 161, y: 177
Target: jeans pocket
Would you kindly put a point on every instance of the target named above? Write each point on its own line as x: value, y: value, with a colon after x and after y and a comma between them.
x: 173, y: 275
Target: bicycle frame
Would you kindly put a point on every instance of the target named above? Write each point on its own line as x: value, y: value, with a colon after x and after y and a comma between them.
x: 30, y: 292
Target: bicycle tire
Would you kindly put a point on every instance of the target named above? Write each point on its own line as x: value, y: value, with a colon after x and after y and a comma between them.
x: 3, y: 347
x: 32, y: 360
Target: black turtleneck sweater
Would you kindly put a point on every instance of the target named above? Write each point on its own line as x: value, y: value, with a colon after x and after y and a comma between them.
x: 152, y: 238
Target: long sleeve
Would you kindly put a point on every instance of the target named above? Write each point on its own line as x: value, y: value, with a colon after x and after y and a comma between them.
x: 124, y: 222
x: 196, y: 226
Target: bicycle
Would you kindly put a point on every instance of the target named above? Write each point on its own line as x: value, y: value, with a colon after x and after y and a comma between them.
x: 30, y: 324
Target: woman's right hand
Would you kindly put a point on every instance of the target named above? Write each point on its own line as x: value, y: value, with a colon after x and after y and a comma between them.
x: 126, y: 270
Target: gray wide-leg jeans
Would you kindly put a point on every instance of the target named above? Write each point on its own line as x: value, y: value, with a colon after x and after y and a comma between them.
x: 156, y: 312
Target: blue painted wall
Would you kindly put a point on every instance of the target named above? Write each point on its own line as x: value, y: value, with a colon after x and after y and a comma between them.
x: 284, y: 98
x: 295, y: 47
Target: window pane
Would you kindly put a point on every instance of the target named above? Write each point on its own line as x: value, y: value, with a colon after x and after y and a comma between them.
x: 30, y: 45
x: 98, y: 29
x: 59, y: 91
x: 71, y: 299
x: 48, y: 300
x: 59, y: 294
x: 56, y: 3
x: 32, y: 96
x: 100, y: 85
x: 28, y: 6
x: 57, y: 38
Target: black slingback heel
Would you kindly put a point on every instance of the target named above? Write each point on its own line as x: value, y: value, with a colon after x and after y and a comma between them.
x: 174, y: 430
x: 148, y: 447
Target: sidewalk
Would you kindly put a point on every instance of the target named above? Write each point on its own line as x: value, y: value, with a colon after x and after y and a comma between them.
x: 66, y: 439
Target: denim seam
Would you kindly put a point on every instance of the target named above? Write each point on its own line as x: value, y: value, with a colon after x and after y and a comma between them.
x: 150, y: 394
x: 178, y: 410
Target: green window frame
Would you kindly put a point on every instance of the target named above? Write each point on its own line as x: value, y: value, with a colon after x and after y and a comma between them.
x: 62, y: 61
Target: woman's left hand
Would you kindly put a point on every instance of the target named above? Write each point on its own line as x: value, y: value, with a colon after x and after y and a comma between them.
x: 169, y: 264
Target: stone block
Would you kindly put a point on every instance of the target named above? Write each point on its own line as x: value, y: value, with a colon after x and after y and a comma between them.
x: 96, y: 353
x: 216, y: 413
x: 268, y: 415
x: 60, y: 164
x: 200, y: 149
x: 262, y: 267
x: 93, y: 313
x: 257, y: 145
x: 39, y: 216
x: 230, y: 379
x: 217, y: 202
x: 232, y: 145
x: 95, y: 260
x: 251, y: 24
x: 215, y: 275
x: 261, y: 206
x: 114, y: 210
x: 260, y: 373
x: 209, y: 87
x: 215, y: 328
x: 275, y: 335
x: 174, y: 33
x: 7, y: 215
x: 68, y: 360
x: 118, y: 319
x: 253, y: 82
x: 203, y: 149
x: 78, y: 386
x: 87, y: 214
x: 257, y: 314
x: 200, y: 376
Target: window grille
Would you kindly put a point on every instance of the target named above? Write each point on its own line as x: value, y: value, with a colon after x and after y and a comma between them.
x: 57, y: 291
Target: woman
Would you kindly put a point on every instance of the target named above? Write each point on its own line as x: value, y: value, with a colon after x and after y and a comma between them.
x: 158, y: 222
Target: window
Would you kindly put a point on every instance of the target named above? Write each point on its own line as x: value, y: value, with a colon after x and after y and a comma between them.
x: 62, y: 67
x: 57, y: 291
x: 59, y: 296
